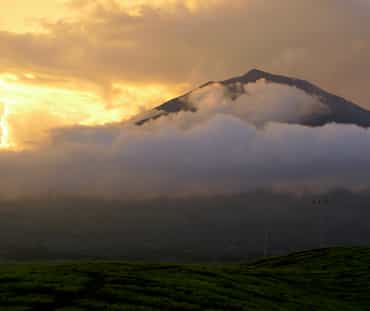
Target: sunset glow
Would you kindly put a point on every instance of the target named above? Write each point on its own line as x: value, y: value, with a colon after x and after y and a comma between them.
x: 184, y: 131
x: 31, y: 109
x: 35, y: 102
x: 4, y: 128
x: 77, y: 62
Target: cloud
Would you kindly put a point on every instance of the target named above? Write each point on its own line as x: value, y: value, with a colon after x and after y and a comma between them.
x: 259, y: 103
x: 217, y: 150
x: 327, y: 43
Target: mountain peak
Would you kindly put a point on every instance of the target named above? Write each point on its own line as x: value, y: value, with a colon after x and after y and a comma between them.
x: 254, y: 72
x: 252, y: 75
x: 340, y: 109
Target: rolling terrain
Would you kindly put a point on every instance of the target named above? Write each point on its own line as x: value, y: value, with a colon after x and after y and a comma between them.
x: 323, y: 279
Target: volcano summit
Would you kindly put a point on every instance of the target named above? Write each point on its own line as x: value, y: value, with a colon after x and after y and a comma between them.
x: 329, y: 108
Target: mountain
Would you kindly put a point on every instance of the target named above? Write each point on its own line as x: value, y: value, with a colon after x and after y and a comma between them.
x: 339, y: 109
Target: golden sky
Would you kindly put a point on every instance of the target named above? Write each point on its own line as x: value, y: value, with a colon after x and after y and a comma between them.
x: 93, y: 62
x: 24, y: 16
x: 32, y: 102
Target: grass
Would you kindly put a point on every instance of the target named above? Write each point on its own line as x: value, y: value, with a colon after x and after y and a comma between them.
x: 327, y: 279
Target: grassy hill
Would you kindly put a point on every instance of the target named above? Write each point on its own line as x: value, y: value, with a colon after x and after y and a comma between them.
x: 327, y: 279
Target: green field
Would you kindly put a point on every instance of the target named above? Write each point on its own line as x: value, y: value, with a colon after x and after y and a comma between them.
x: 329, y: 279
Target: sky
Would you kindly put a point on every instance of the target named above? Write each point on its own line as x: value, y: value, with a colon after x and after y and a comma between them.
x: 79, y: 62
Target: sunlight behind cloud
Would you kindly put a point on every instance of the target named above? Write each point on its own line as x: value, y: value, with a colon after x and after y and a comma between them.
x: 4, y: 129
x: 32, y: 109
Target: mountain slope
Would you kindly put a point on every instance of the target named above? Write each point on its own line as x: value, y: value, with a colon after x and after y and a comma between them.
x: 326, y: 279
x: 339, y: 109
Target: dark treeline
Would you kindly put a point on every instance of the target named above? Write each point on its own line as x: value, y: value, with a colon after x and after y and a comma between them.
x: 222, y: 228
